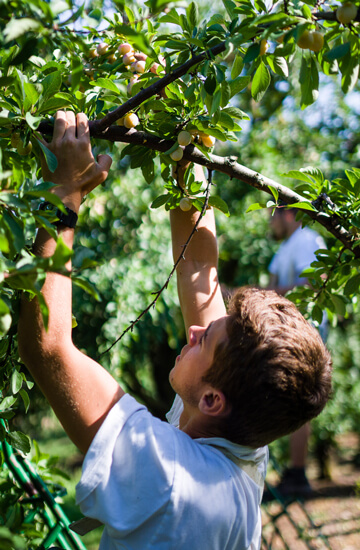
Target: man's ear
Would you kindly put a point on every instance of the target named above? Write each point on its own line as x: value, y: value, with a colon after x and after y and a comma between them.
x: 213, y: 403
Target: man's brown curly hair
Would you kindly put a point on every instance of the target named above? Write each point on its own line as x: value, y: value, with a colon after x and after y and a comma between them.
x: 274, y: 369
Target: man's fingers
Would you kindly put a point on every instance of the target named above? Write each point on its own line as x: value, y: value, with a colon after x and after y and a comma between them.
x: 104, y: 161
x: 82, y: 126
x: 59, y: 125
x: 71, y: 124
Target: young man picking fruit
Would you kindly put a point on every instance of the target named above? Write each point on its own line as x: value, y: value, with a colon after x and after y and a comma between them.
x: 246, y: 377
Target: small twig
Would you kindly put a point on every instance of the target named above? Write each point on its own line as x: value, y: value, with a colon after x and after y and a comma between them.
x: 165, y: 285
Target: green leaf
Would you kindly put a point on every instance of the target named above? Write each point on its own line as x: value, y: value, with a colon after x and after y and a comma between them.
x: 31, y: 92
x: 33, y: 121
x: 18, y: 27
x: 279, y: 65
x: 87, y: 286
x: 210, y: 84
x: 16, y: 230
x: 51, y: 84
x: 106, y: 83
x: 26, y: 399
x: 252, y: 52
x: 50, y: 158
x: 317, y: 314
x: 255, y: 206
x: 160, y: 201
x: 260, y: 82
x: 148, y: 170
x: 215, y: 104
x: 225, y: 94
x: 54, y: 103
x: 171, y: 17
x: 19, y: 441
x: 302, y: 206
x: 309, y: 82
x: 16, y: 382
x: 61, y: 255
x: 192, y: 14
x: 298, y: 175
x: 219, y: 204
x: 339, y: 304
x: 352, y: 285
x: 338, y: 52
x: 350, y: 74
x: 237, y: 66
x: 275, y: 192
x: 239, y: 84
x: 236, y: 113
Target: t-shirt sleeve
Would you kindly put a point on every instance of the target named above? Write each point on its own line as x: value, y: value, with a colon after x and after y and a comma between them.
x: 129, y: 468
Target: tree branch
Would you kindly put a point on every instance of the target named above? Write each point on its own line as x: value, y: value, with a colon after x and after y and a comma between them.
x: 156, y: 88
x: 226, y: 165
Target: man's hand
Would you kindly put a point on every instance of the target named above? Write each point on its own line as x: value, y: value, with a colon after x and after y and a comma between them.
x: 77, y: 173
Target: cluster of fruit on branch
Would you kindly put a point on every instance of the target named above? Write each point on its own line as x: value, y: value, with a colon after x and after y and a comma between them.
x: 314, y: 40
x: 136, y: 63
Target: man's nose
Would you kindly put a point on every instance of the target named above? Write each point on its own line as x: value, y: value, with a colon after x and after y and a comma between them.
x: 195, y: 333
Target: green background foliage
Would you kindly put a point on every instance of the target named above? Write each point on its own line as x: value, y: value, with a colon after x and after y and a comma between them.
x: 286, y: 111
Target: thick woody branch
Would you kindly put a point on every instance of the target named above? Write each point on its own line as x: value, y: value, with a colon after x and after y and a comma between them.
x: 331, y: 16
x: 226, y: 165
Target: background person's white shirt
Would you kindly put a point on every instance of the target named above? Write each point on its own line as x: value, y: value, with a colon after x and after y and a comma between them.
x: 156, y: 488
x: 294, y: 255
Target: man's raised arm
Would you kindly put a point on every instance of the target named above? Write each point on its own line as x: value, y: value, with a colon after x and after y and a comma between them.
x: 198, y: 286
x: 79, y: 390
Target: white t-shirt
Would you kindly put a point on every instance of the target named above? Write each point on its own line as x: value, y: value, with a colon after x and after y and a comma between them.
x: 155, y: 488
x: 294, y: 255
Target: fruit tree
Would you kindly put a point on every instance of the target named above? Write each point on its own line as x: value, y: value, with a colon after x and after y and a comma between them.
x: 172, y: 82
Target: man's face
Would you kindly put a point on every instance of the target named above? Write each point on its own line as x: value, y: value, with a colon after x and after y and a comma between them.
x: 195, y: 359
x: 278, y: 224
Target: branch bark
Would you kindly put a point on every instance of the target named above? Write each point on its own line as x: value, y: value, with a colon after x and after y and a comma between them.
x: 226, y: 165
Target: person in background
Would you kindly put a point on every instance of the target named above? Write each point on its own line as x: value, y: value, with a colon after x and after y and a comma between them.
x: 296, y: 253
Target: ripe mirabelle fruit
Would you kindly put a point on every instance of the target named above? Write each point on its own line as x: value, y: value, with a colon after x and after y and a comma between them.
x: 112, y: 58
x: 177, y: 154
x: 125, y: 48
x: 318, y: 41
x: 263, y: 46
x: 102, y: 48
x: 132, y: 81
x: 24, y: 150
x: 131, y: 120
x: 129, y: 58
x: 185, y: 204
x: 184, y: 138
x: 305, y: 41
x: 346, y: 13
x: 120, y: 121
x: 141, y: 56
x: 140, y: 66
x: 208, y: 141
x: 93, y: 53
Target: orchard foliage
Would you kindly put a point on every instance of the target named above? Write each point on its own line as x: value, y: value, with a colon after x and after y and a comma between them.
x: 191, y: 78
x: 187, y: 72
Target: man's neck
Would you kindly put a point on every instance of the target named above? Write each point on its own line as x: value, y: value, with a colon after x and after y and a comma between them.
x: 197, y: 425
x: 292, y: 229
